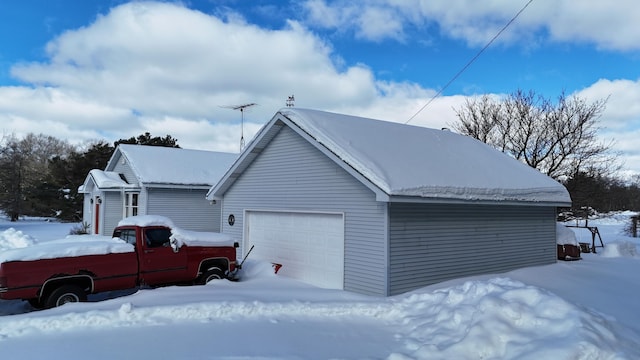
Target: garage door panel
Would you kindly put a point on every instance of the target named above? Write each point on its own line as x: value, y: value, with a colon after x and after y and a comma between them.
x: 310, y: 246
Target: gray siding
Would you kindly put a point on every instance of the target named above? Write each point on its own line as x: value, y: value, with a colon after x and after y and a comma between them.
x: 291, y: 174
x: 125, y: 169
x: 112, y: 210
x: 432, y: 243
x: 187, y: 208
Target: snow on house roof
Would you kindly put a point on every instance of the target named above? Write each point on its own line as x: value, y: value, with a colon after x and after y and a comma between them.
x: 175, y: 166
x: 413, y: 161
x: 108, y: 179
x: 104, y: 180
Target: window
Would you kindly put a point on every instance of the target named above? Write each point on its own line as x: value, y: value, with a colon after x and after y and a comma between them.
x: 131, y: 204
x: 157, y: 237
x: 128, y: 235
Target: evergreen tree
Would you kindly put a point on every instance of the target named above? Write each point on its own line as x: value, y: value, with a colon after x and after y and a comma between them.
x: 147, y: 139
x: 68, y: 173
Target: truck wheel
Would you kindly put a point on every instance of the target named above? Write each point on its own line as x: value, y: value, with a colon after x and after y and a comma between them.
x: 36, y: 303
x: 211, y: 274
x: 65, y: 294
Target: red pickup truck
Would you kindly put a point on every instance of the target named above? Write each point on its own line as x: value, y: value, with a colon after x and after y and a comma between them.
x: 144, y: 250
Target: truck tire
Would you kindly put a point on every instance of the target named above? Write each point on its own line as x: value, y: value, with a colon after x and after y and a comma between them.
x: 211, y: 274
x: 65, y: 294
x: 36, y: 303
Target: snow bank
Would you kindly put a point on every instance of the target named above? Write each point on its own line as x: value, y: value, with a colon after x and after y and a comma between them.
x: 620, y: 248
x: 500, y: 319
x: 613, y: 218
x: 484, y: 319
x: 565, y: 236
x: 19, y: 247
x: 14, y: 239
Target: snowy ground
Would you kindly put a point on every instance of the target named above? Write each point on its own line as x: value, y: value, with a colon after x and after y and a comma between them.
x: 587, y: 309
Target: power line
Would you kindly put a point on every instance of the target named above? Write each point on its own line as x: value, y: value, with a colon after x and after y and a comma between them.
x: 470, y: 61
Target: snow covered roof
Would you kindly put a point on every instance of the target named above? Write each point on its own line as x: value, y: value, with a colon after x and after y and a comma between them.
x: 104, y: 180
x: 173, y: 166
x: 108, y: 179
x: 404, y: 161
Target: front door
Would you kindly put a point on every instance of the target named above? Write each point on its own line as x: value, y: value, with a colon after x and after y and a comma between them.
x: 96, y: 214
x: 159, y: 264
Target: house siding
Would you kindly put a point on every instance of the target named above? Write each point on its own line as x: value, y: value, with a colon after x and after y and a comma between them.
x: 112, y: 209
x: 433, y: 243
x: 195, y: 211
x: 124, y: 169
x: 292, y: 175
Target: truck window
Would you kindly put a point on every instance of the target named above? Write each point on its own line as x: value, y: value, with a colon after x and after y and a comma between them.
x: 128, y: 235
x: 157, y: 237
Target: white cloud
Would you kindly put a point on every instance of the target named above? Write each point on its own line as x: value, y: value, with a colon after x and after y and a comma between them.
x: 374, y: 21
x: 608, y: 25
x: 378, y: 24
x: 166, y: 69
x: 620, y: 121
x: 622, y: 108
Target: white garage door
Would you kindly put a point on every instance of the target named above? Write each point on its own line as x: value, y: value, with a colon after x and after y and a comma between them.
x: 310, y: 246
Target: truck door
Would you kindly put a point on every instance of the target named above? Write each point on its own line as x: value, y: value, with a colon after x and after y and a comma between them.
x: 159, y: 264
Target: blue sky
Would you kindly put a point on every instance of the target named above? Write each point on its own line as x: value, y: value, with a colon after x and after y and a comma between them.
x: 87, y: 70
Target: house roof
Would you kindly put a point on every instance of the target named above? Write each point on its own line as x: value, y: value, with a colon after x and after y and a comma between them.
x: 104, y: 180
x: 158, y: 165
x: 402, y: 161
x: 108, y: 179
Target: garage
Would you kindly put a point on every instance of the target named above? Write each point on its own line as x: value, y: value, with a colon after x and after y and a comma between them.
x: 375, y: 207
x: 310, y: 246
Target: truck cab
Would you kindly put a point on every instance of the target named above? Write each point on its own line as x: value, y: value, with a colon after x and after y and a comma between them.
x: 162, y: 259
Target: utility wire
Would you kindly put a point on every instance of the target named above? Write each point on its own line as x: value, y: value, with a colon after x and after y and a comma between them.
x: 470, y: 61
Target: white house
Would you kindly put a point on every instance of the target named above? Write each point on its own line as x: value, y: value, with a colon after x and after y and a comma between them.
x: 382, y: 208
x: 154, y: 180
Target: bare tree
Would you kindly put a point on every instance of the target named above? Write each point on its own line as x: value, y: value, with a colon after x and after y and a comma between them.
x: 558, y: 138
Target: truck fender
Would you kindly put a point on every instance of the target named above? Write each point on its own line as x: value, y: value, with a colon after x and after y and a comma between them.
x: 82, y: 280
x: 206, y: 264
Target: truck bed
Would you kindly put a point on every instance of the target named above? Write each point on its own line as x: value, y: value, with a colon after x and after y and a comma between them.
x: 111, y: 264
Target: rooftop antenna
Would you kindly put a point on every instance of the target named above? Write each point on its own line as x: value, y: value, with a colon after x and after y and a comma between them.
x: 290, y: 100
x: 241, y: 108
